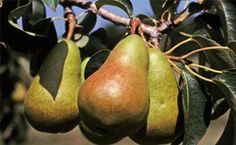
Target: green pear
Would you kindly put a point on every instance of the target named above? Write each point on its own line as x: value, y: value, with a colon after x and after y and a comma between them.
x: 98, y: 136
x: 163, y: 124
x: 51, y: 101
x: 116, y: 97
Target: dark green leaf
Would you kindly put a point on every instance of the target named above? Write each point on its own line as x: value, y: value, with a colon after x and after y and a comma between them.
x: 146, y: 19
x: 52, y: 3
x: 229, y: 135
x: 226, y: 11
x: 195, y: 112
x: 159, y: 6
x: 218, y: 59
x: 227, y: 83
x: 95, y: 62
x: 220, y: 109
x: 87, y: 23
x: 125, y: 5
x: 36, y: 13
x: 43, y: 34
x: 101, y: 34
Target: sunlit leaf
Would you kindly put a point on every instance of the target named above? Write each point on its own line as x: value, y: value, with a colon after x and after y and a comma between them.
x: 195, y: 106
x: 125, y: 5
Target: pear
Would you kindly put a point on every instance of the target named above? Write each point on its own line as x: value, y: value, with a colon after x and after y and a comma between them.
x: 98, y: 136
x: 163, y: 123
x: 51, y: 101
x: 115, y: 98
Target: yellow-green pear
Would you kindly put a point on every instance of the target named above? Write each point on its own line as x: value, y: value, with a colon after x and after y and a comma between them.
x: 164, y: 123
x: 51, y: 101
x: 116, y: 98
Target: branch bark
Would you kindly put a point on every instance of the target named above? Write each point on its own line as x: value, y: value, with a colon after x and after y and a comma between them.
x: 154, y: 32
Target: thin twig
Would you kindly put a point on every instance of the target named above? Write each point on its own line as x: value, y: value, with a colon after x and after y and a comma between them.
x: 153, y: 31
x: 204, y: 49
x: 175, y: 67
x: 206, y: 68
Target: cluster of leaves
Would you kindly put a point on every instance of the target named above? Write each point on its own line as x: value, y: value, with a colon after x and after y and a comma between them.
x: 216, y: 26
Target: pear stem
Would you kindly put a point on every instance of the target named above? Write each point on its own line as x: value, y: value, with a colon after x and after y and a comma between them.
x: 206, y: 68
x: 71, y: 19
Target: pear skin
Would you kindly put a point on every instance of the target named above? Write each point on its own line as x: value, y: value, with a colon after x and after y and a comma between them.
x: 51, y: 101
x: 163, y: 124
x: 116, y: 98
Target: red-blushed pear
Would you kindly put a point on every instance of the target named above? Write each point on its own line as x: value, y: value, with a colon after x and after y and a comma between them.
x: 116, y: 98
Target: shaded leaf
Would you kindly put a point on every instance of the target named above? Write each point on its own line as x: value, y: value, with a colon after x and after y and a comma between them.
x: 229, y: 135
x: 88, y: 22
x: 101, y: 34
x: 26, y: 41
x: 226, y: 11
x: 227, y: 82
x: 159, y: 6
x: 52, y: 3
x: 37, y: 12
x: 194, y: 104
x: 146, y: 20
x: 125, y: 5
x: 218, y: 59
x: 95, y: 62
x: 220, y: 109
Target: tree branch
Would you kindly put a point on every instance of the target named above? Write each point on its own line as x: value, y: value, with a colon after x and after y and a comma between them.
x: 153, y: 31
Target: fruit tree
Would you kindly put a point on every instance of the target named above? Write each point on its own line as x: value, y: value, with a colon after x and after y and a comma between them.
x: 157, y: 79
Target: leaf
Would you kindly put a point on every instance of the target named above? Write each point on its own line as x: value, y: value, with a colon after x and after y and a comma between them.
x: 194, y: 104
x: 101, y: 34
x: 52, y: 3
x: 125, y: 5
x: 83, y: 65
x: 159, y: 6
x: 95, y: 62
x: 88, y: 23
x: 217, y: 59
x: 227, y: 83
x: 146, y: 20
x: 229, y: 135
x: 43, y: 33
x: 37, y: 12
x: 226, y: 11
x: 220, y: 109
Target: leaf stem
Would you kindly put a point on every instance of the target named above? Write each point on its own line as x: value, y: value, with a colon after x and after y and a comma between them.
x: 197, y: 75
x: 177, y: 45
x: 204, y: 49
x: 175, y: 67
x: 71, y: 20
x: 206, y: 68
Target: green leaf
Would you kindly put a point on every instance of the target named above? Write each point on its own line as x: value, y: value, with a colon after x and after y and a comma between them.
x: 217, y: 59
x: 37, y: 12
x: 52, y: 3
x: 43, y: 34
x: 226, y: 11
x: 146, y: 19
x: 125, y: 5
x: 195, y: 106
x: 159, y: 6
x: 220, y: 109
x: 227, y: 83
x: 101, y: 34
x: 95, y: 62
x: 229, y: 135
x: 88, y: 22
